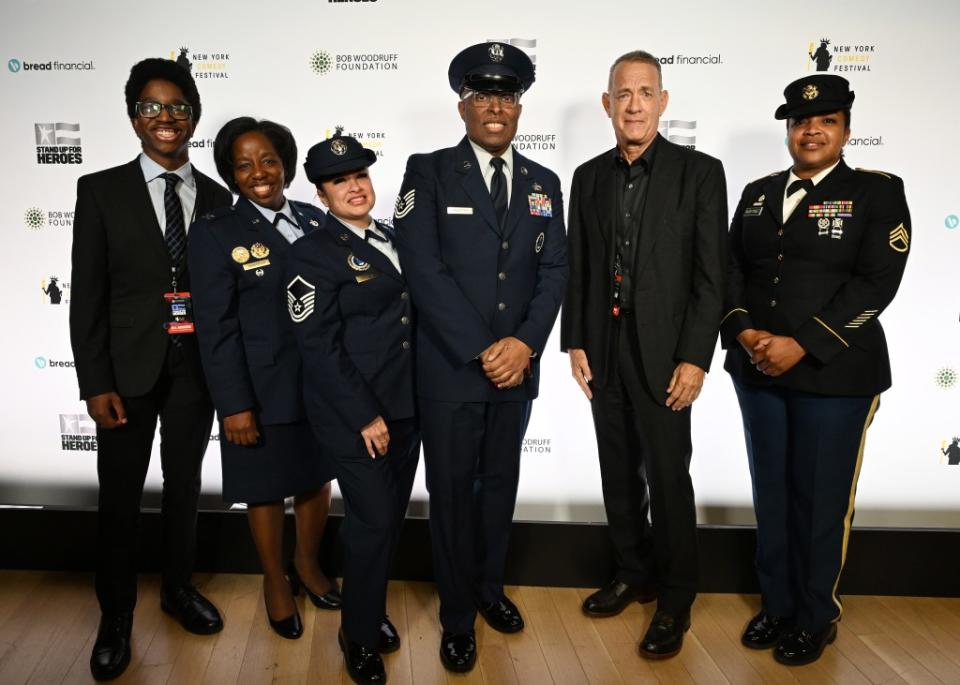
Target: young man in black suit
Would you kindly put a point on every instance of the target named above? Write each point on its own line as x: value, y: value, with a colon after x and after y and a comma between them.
x: 129, y: 251
x: 647, y: 258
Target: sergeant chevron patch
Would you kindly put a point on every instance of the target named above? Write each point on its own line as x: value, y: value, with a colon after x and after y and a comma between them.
x: 900, y: 239
x: 404, y: 204
x: 300, y: 297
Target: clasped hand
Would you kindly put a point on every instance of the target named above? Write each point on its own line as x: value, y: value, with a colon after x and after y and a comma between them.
x: 505, y: 362
x: 773, y: 355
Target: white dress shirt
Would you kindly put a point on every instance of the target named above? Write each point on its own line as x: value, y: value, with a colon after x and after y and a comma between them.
x: 157, y: 187
x: 288, y: 229
x: 487, y: 169
x: 790, y: 202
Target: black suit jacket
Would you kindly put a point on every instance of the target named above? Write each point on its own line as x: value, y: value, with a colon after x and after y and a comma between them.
x: 354, y: 326
x: 679, y: 263
x: 249, y: 354
x: 821, y: 278
x: 121, y: 268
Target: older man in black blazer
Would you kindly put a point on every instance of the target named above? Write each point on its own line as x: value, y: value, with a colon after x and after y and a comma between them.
x: 129, y: 250
x: 647, y: 235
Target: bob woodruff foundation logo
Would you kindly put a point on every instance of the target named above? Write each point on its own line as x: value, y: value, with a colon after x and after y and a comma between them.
x: 322, y: 62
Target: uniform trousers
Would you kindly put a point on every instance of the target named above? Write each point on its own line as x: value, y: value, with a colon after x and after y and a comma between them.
x: 181, y: 402
x: 644, y: 449
x: 375, y: 496
x: 804, y: 452
x: 472, y: 455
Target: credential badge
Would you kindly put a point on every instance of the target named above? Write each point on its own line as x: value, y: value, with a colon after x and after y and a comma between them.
x: 300, y: 297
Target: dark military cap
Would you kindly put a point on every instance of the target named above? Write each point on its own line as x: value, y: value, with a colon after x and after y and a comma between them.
x: 491, y: 66
x: 336, y: 155
x: 815, y: 94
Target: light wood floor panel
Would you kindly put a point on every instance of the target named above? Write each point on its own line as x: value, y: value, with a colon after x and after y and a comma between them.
x: 48, y: 624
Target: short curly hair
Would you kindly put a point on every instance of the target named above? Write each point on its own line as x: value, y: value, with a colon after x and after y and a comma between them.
x: 154, y: 68
x: 276, y: 133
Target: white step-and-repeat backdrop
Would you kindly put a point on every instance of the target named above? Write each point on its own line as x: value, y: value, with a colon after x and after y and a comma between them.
x: 378, y: 69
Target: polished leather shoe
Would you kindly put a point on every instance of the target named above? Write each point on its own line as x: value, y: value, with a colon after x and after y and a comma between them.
x: 291, y: 627
x: 389, y: 637
x: 194, y: 611
x: 664, y: 637
x: 502, y: 616
x: 615, y: 596
x: 329, y: 600
x: 764, y: 631
x: 798, y: 646
x: 363, y: 664
x: 111, y: 651
x: 458, y: 651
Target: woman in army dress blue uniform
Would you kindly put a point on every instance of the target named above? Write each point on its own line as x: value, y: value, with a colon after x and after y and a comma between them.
x: 816, y: 254
x: 354, y: 326
x: 250, y: 359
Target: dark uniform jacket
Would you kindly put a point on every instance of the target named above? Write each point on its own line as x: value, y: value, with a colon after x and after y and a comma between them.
x: 679, y: 264
x: 353, y: 320
x: 121, y: 269
x: 472, y: 283
x: 237, y: 269
x: 823, y: 277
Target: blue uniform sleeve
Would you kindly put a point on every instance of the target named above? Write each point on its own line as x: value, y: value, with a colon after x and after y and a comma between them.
x: 736, y: 317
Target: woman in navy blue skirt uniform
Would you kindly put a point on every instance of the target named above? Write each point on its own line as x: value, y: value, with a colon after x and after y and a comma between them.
x: 238, y: 257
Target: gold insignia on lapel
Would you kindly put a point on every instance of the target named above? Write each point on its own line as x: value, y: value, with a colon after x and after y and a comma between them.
x: 259, y: 250
x: 240, y: 254
x: 356, y: 263
x: 810, y: 92
x: 900, y: 239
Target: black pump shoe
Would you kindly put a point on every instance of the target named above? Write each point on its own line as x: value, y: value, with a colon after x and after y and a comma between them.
x: 330, y: 600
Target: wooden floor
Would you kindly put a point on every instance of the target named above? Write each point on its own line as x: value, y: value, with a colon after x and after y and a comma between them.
x: 48, y: 623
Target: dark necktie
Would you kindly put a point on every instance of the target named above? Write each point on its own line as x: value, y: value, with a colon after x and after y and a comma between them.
x: 174, y: 235
x: 802, y: 184
x: 281, y: 216
x: 498, y: 190
x: 371, y: 234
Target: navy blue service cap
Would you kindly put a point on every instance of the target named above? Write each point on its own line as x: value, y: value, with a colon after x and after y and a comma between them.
x: 492, y: 67
x: 817, y: 94
x: 336, y: 155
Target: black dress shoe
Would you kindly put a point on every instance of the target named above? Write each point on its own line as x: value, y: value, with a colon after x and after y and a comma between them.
x: 764, y: 631
x: 799, y: 646
x: 502, y: 616
x: 111, y: 651
x: 389, y: 637
x: 329, y: 600
x: 664, y: 637
x: 615, y: 596
x: 363, y: 664
x: 291, y: 627
x: 458, y: 651
x: 194, y: 611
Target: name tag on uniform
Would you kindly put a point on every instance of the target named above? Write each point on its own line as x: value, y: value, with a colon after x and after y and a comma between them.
x: 753, y: 211
x: 256, y: 265
x: 459, y: 210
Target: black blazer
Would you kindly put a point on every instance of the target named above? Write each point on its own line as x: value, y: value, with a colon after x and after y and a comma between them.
x: 679, y: 263
x: 121, y: 268
x: 820, y: 278
x: 354, y: 325
x: 249, y: 354
x: 472, y: 284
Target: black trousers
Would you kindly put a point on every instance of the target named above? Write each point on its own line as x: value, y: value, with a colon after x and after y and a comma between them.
x: 472, y: 456
x: 181, y: 402
x: 805, y: 452
x: 376, y: 493
x: 644, y: 449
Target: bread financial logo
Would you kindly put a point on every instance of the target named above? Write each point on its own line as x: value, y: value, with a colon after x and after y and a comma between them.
x: 58, y: 143
x: 952, y: 221
x: 839, y: 57
x: 78, y: 433
x: 679, y: 131
x: 15, y: 65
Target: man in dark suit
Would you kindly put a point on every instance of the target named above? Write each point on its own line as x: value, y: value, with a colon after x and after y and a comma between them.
x: 647, y: 258
x: 129, y: 250
x: 481, y: 241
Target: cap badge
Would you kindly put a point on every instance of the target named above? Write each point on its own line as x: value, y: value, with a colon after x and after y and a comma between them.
x: 338, y: 147
x: 496, y: 52
x: 810, y: 92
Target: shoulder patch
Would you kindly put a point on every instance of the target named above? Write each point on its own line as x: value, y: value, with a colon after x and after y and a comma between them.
x: 874, y: 171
